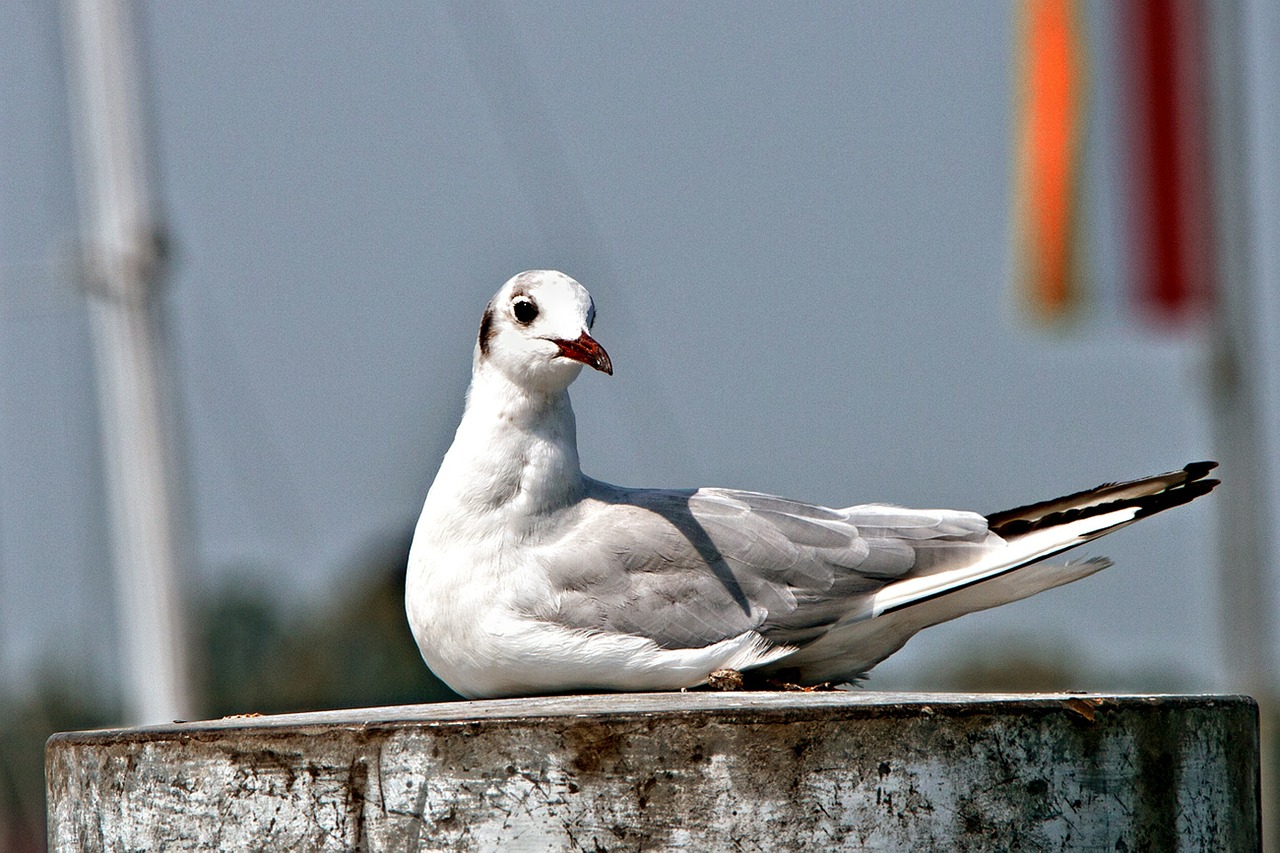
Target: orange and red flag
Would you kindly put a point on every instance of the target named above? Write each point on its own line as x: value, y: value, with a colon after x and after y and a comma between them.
x: 1163, y: 148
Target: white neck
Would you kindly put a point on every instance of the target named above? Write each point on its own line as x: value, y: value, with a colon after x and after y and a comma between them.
x: 515, y: 453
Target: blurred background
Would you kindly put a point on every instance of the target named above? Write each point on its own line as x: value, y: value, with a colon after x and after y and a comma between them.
x: 936, y: 254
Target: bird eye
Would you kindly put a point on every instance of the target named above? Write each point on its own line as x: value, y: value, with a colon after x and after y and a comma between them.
x: 526, y: 312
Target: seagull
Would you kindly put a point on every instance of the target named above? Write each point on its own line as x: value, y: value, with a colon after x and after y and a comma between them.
x: 526, y: 577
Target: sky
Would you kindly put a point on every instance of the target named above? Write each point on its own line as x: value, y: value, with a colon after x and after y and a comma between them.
x: 795, y: 224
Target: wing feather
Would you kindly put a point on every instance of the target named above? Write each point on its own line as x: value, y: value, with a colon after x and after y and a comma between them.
x: 691, y: 568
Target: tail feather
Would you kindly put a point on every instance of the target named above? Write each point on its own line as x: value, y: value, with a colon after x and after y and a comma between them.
x: 1039, y: 531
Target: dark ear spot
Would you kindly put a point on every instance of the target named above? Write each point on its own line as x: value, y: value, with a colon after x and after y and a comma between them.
x: 486, y: 330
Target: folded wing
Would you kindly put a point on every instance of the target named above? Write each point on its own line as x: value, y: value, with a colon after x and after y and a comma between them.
x: 687, y: 569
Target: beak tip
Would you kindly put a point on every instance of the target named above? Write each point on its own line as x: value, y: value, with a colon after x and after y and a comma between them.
x: 587, y: 351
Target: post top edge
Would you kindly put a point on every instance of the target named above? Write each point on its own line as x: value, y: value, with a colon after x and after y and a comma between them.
x: 613, y: 705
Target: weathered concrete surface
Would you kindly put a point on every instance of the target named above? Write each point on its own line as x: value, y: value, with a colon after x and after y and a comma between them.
x: 695, y: 771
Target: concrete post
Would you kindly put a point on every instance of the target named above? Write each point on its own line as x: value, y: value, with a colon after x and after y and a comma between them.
x: 693, y: 771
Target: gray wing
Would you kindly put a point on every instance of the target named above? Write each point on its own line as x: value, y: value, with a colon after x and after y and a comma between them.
x: 691, y: 568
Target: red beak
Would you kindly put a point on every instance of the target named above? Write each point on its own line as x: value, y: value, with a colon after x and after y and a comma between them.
x: 586, y: 350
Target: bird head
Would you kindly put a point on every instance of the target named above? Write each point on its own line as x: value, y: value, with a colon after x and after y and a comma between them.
x: 536, y: 331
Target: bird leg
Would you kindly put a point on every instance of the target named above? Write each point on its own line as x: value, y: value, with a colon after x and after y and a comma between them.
x: 726, y: 679
x: 732, y: 680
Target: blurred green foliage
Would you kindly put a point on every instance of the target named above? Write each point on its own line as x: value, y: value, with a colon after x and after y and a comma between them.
x: 253, y: 656
x: 356, y: 653
x: 57, y: 703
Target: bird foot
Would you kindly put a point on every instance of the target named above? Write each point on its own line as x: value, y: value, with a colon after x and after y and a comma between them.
x: 726, y: 679
x: 732, y: 680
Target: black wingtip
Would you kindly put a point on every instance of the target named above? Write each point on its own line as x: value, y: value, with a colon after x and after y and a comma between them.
x: 1196, y: 470
x: 1183, y: 494
x: 1166, y: 491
